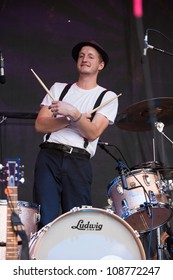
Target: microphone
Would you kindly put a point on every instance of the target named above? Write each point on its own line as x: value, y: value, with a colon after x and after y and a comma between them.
x: 2, y: 75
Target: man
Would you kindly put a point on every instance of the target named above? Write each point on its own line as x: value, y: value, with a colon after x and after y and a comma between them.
x: 63, y: 174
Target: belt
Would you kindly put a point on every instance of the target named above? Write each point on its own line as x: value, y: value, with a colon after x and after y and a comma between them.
x: 64, y: 148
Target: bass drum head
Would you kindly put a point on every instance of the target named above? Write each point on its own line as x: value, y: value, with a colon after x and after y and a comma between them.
x: 86, y: 234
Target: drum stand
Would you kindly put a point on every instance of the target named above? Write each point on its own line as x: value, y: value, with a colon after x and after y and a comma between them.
x: 159, y: 245
x: 162, y: 249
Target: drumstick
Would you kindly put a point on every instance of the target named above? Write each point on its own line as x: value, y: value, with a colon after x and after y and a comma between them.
x: 49, y: 93
x: 103, y: 104
x: 43, y: 85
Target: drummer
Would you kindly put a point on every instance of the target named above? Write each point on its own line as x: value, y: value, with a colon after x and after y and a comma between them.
x: 63, y: 174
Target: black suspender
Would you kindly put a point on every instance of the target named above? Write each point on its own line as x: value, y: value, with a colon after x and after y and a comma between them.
x: 63, y: 93
x: 97, y: 103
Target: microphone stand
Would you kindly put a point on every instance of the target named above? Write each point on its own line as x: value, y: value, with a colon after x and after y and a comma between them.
x: 158, y: 50
x: 119, y: 168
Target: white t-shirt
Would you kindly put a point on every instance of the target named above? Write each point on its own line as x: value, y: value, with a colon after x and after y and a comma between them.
x: 84, y: 101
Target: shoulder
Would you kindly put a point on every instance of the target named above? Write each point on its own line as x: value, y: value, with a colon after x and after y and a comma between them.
x: 107, y: 93
x: 58, y: 86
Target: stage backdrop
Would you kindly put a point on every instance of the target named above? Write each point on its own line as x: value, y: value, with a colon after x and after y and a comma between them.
x: 40, y: 35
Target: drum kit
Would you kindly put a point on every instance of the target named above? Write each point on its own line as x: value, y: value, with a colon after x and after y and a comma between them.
x: 144, y: 200
x: 139, y: 202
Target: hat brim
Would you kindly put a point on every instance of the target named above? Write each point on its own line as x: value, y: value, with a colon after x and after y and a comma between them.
x: 77, y: 48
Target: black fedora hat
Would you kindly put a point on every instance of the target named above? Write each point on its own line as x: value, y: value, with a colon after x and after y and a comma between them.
x: 94, y: 44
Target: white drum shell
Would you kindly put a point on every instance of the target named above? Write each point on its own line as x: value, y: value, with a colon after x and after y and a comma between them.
x: 142, y: 218
x: 88, y: 233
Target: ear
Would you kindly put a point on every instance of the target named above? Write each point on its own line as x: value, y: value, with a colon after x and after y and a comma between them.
x: 101, y: 65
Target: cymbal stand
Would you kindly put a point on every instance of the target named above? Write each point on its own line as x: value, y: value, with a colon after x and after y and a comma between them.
x: 160, y: 126
x: 162, y: 248
x: 159, y: 245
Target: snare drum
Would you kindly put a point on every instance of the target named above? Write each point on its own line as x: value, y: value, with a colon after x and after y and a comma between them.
x: 29, y: 214
x: 86, y: 234
x: 143, y: 204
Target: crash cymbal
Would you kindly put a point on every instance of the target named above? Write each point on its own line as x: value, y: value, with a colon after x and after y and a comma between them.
x: 142, y: 116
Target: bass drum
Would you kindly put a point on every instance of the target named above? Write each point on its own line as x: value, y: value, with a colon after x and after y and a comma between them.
x: 86, y: 234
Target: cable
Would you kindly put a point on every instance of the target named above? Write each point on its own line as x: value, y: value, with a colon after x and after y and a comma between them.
x: 155, y: 30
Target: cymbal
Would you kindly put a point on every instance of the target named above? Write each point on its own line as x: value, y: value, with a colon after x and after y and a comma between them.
x: 141, y: 116
x: 165, y: 171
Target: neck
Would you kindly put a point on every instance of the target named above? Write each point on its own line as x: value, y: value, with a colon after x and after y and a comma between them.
x: 86, y: 82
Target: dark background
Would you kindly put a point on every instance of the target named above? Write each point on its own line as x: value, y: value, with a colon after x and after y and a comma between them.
x: 41, y: 34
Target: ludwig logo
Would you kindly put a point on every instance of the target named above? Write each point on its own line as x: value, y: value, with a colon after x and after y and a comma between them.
x: 81, y: 225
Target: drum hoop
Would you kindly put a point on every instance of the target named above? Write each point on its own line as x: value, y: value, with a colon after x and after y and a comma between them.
x: 28, y: 204
x: 144, y: 170
x: 21, y: 203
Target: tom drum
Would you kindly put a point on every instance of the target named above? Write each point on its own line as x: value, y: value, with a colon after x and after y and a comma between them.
x: 143, y: 204
x: 29, y: 214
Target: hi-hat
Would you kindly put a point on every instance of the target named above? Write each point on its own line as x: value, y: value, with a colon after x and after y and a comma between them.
x: 165, y: 171
x: 142, y: 116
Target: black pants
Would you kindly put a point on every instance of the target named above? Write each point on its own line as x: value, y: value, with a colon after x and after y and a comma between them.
x: 62, y: 181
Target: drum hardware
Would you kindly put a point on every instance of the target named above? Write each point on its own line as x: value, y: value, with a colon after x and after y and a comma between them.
x: 159, y: 245
x: 164, y: 238
x: 37, y: 216
x: 160, y: 126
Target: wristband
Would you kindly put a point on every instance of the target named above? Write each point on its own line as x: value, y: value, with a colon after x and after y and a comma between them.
x: 70, y: 119
x: 76, y: 120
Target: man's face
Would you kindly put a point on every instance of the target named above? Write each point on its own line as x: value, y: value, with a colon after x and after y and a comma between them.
x: 89, y: 61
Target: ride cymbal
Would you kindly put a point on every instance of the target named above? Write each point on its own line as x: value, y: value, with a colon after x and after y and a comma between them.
x: 141, y: 116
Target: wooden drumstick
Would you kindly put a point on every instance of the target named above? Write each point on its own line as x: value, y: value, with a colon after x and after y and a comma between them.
x: 43, y: 85
x: 103, y: 104
x: 49, y: 93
